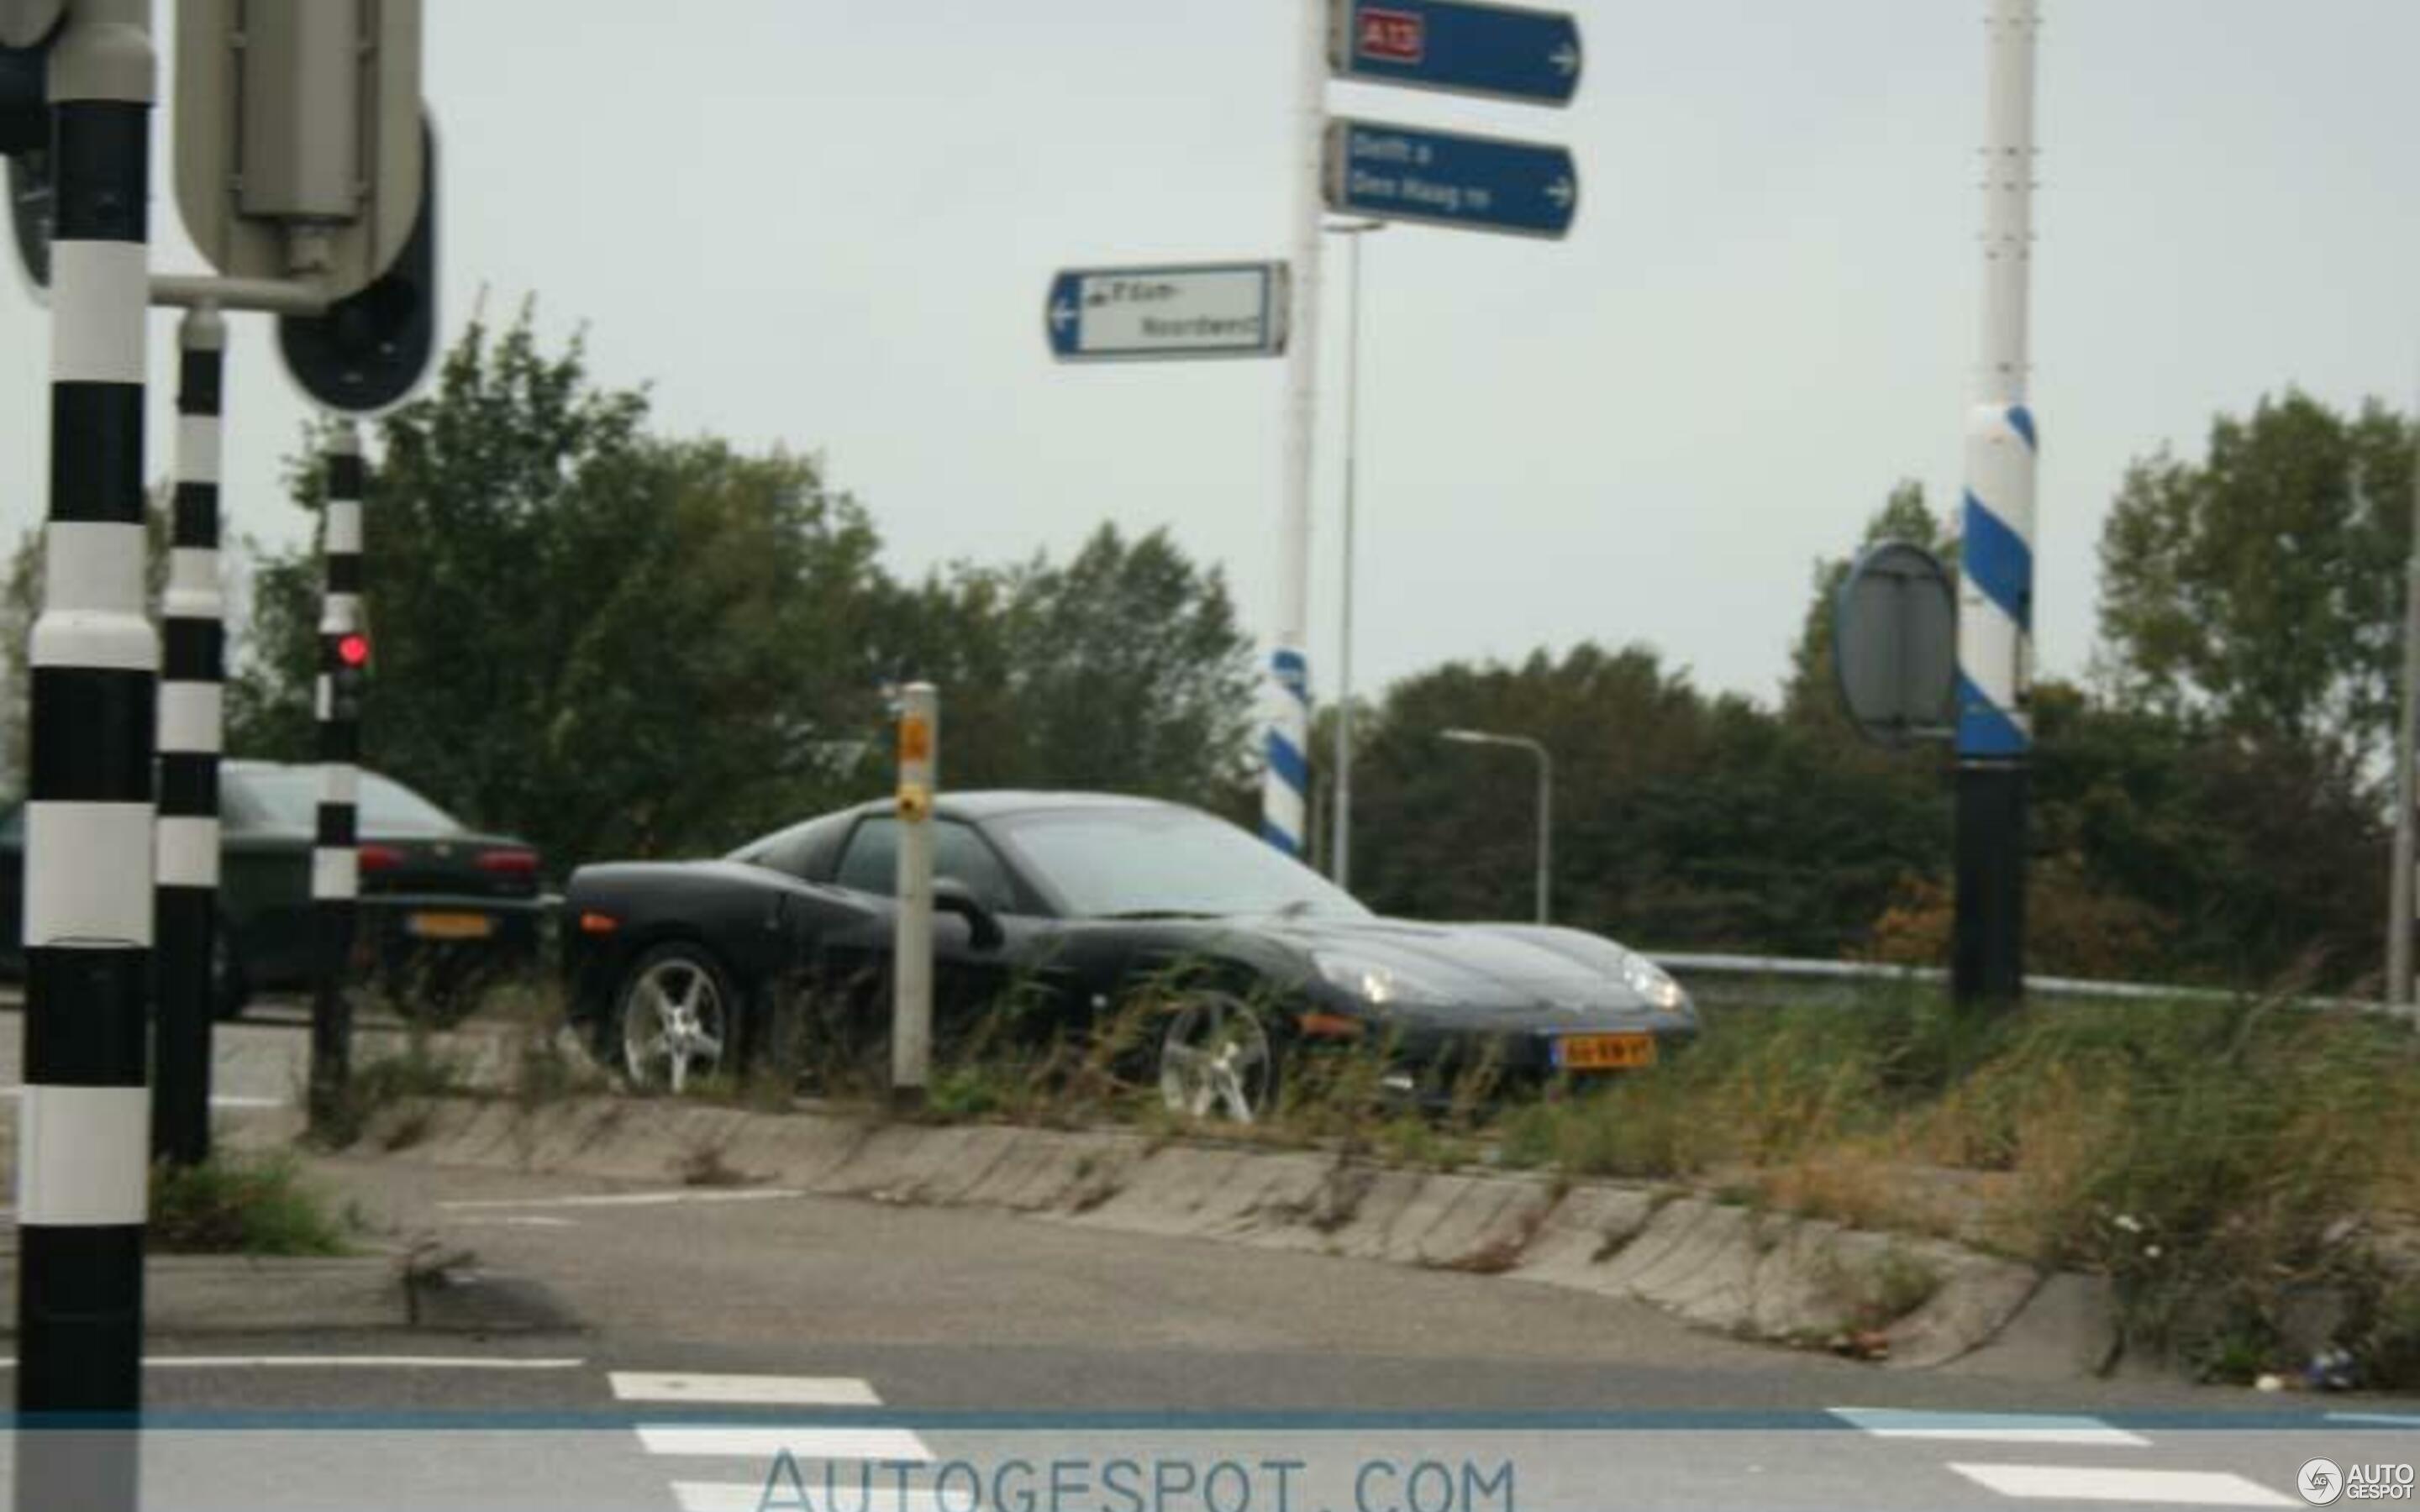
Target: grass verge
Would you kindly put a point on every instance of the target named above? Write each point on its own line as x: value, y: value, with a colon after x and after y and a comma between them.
x: 242, y: 1205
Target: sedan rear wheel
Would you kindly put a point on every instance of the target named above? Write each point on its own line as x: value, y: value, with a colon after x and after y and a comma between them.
x: 1216, y: 1060
x: 677, y: 1015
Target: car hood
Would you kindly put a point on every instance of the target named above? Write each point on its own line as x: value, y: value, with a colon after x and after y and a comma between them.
x: 1513, y: 971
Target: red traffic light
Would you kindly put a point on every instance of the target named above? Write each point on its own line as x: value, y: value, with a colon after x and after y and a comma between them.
x: 354, y: 650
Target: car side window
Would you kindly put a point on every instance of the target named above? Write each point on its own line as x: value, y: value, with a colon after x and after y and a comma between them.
x: 871, y: 863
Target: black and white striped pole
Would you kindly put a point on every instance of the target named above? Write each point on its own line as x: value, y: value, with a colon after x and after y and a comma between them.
x: 335, y: 869
x: 81, y: 1120
x: 192, y: 673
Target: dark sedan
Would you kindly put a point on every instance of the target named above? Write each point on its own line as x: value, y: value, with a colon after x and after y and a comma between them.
x: 1072, y: 901
x: 444, y: 907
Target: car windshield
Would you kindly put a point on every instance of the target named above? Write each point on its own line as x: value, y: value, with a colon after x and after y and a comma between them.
x: 289, y: 799
x: 1144, y: 861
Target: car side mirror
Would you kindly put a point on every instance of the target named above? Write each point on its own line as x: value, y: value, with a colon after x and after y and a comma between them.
x: 950, y: 896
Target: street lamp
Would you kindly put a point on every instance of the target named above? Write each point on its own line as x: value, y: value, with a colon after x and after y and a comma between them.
x: 1546, y: 797
x: 1341, y: 862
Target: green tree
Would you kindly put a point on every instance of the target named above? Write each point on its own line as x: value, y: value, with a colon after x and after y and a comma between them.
x: 1122, y: 668
x: 2262, y: 585
x: 612, y: 643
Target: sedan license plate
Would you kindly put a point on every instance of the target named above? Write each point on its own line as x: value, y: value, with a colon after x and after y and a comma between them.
x: 449, y: 926
x: 1604, y: 1052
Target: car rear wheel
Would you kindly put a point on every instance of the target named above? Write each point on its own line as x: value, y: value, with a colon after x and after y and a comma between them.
x: 677, y: 1015
x: 1217, y: 1061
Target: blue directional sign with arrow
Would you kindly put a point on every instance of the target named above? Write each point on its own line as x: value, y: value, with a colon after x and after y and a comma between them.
x: 1456, y: 45
x: 1479, y: 183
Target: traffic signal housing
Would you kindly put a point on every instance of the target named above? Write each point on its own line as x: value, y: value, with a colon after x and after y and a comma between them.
x: 370, y: 349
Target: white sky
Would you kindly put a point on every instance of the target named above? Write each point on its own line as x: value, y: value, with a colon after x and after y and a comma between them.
x: 829, y: 223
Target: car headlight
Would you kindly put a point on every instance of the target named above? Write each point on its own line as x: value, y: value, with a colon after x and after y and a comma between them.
x: 1374, y: 982
x: 1652, y: 982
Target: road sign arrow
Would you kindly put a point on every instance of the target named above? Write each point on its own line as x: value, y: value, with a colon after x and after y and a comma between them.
x: 1560, y: 192
x: 1061, y: 313
x: 1566, y: 60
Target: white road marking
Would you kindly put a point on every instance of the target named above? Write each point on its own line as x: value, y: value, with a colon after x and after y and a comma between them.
x: 748, y: 1496
x: 1987, y: 1427
x: 345, y: 1362
x: 626, y: 1199
x: 2092, y: 1483
x: 515, y: 1221
x: 802, y: 1444
x: 2403, y: 1420
x: 788, y: 1391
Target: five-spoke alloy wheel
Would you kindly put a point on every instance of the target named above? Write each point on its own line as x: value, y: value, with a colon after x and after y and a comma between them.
x: 1217, y: 1062
x: 677, y: 1013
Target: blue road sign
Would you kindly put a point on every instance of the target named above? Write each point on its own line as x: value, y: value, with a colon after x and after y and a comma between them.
x: 1479, y: 183
x: 1191, y: 310
x: 1455, y: 45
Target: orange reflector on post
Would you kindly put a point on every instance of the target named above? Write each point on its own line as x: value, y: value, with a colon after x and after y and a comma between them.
x: 598, y: 923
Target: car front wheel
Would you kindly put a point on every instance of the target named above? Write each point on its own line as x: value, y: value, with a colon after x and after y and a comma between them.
x: 1217, y: 1061
x: 677, y: 1011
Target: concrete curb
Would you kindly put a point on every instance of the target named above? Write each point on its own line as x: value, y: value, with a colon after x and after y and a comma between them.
x: 196, y: 1295
x: 1752, y: 1274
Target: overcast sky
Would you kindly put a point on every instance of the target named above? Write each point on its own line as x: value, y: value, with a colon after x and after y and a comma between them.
x: 829, y: 224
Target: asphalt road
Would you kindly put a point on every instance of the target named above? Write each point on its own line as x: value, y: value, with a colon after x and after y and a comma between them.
x: 978, y: 1355
x: 965, y: 1361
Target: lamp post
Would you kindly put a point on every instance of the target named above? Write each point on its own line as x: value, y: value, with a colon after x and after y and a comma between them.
x: 1341, y: 851
x: 1545, y: 798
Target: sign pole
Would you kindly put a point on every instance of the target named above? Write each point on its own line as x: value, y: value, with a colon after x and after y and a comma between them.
x: 1995, y: 555
x: 1285, y: 784
x: 190, y: 734
x: 335, y: 861
x: 2400, y: 922
x: 81, y: 1120
x: 911, y: 1002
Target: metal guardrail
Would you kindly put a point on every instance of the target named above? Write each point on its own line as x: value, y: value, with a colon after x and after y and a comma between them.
x: 1684, y: 963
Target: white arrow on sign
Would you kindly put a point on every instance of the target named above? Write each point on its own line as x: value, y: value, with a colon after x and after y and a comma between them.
x: 1560, y: 192
x: 1061, y: 313
x: 1566, y: 60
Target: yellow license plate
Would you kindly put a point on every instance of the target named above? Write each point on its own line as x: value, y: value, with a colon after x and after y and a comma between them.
x: 450, y: 926
x: 1604, y: 1051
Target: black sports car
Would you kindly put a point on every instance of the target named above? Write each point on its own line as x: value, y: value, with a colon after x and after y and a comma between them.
x: 1073, y: 901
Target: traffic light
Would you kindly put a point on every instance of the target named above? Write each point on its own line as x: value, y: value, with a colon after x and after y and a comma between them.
x: 371, y: 348
x: 24, y: 114
x: 348, y: 673
x: 26, y: 132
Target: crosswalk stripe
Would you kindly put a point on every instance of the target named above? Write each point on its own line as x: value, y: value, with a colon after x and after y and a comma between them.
x: 791, y: 1391
x: 2092, y: 1483
x: 1987, y: 1427
x: 749, y: 1496
x: 763, y: 1444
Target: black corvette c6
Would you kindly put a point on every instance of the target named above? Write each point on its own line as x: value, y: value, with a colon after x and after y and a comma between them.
x: 673, y: 966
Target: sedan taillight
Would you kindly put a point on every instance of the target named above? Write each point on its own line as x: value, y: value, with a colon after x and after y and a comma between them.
x: 380, y: 857
x: 514, y: 863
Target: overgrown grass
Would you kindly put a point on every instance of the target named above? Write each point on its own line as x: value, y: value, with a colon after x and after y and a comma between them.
x: 2224, y: 1163
x: 241, y: 1205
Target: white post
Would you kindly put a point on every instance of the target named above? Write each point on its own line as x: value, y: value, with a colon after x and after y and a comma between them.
x: 2399, y: 920
x: 1996, y: 601
x: 1344, y: 870
x: 1285, y: 784
x: 911, y: 1002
